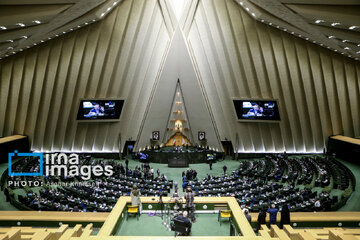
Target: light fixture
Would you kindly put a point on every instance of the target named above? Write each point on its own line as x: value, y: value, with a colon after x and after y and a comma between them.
x: 353, y: 27
x: 330, y: 37
x: 103, y: 14
x: 56, y: 35
x: 115, y: 3
x: 94, y: 20
x: 335, y: 24
x: 10, y: 48
x: 42, y: 41
x: 108, y: 9
x: 10, y: 40
x: 319, y: 21
x: 345, y: 40
x: 346, y: 48
x: 241, y: 3
x: 358, y: 52
x: 253, y: 14
x: 270, y: 23
x: 262, y: 20
x: 307, y: 38
x: 63, y: 32
x: 20, y: 24
x: 25, y: 37
x: 37, y: 22
x: 358, y: 45
x: 86, y: 23
x: 3, y: 28
x: 247, y: 9
x: 321, y: 44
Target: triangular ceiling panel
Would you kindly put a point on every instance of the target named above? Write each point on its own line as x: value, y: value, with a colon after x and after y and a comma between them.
x: 178, y: 65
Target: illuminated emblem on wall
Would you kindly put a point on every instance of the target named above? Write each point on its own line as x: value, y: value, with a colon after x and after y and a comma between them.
x: 201, y: 136
x: 156, y: 135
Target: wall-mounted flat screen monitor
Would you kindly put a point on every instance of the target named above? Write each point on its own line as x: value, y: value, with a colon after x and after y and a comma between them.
x: 100, y: 109
x: 257, y: 110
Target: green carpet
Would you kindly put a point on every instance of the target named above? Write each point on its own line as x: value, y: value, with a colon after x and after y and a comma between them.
x: 354, y: 200
x: 201, y: 168
x: 152, y: 226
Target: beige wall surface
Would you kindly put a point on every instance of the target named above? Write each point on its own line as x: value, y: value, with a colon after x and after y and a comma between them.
x: 238, y: 57
x: 233, y: 56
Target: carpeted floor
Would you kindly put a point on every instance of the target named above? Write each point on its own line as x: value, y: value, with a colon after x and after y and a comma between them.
x: 153, y: 226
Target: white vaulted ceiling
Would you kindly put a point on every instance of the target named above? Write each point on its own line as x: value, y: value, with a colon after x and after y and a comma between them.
x: 219, y: 49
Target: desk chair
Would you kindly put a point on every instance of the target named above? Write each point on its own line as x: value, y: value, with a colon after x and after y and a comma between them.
x: 134, y: 210
x: 180, y: 227
x: 224, y: 214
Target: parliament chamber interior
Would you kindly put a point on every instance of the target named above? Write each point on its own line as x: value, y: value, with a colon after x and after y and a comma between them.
x: 189, y: 119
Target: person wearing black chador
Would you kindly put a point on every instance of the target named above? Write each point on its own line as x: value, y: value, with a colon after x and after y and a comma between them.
x: 285, y: 216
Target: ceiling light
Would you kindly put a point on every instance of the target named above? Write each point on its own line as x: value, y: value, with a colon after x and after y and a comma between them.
x: 247, y: 9
x: 103, y: 14
x: 346, y: 48
x: 94, y: 20
x: 241, y: 3
x: 114, y: 3
x: 10, y: 48
x: 307, y: 38
x: 79, y: 26
x: 358, y: 45
x: 42, y: 41
x: 253, y: 14
x: 285, y: 29
x: 358, y: 52
x: 86, y: 23
x: 335, y: 24
x: 37, y: 22
x: 330, y: 37
x: 353, y: 27
x: 314, y: 41
x: 270, y: 24
x: 10, y: 40
x: 277, y: 26
x: 20, y: 24
x: 49, y: 38
x: 321, y: 44
x: 25, y: 37
x: 319, y: 21
x: 3, y: 28
x: 262, y: 20
x: 300, y: 35
x: 292, y: 32
x: 56, y: 35
x: 71, y: 29
x: 108, y: 9
x: 345, y: 40
x: 20, y: 49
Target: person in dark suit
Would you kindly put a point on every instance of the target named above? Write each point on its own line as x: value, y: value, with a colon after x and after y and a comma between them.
x: 7, y: 194
x: 184, y: 218
x: 261, y: 220
x: 224, y: 168
x: 210, y: 164
x: 127, y: 163
x: 285, y: 216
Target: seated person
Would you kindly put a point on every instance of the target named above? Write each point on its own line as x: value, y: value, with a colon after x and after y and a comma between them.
x: 184, y: 218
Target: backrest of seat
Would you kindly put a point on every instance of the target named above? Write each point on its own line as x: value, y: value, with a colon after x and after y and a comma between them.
x: 180, y: 226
